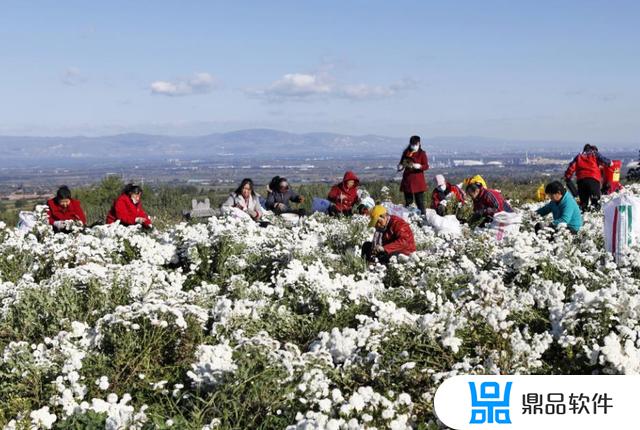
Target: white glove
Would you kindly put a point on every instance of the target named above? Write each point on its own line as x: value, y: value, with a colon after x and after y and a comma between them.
x: 140, y: 220
x: 416, y: 165
x: 442, y: 203
x: 60, y: 225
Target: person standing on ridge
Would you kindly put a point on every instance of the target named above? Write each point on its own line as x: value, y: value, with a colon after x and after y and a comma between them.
x: 586, y: 167
x: 414, y: 162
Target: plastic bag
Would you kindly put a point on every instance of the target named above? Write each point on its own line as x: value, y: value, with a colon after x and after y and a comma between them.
x: 320, y: 205
x: 397, y: 210
x: 26, y: 221
x: 238, y: 213
x: 621, y: 225
x: 445, y: 225
x: 505, y: 224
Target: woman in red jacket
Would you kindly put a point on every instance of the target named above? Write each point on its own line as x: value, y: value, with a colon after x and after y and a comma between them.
x: 344, y: 195
x: 414, y: 161
x: 128, y: 208
x: 64, y: 211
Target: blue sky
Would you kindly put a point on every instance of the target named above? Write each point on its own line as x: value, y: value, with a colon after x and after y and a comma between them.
x: 566, y: 70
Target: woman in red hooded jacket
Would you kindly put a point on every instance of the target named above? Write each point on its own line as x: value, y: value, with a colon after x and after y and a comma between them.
x: 344, y: 195
x: 414, y: 161
x: 65, y: 211
x: 128, y: 208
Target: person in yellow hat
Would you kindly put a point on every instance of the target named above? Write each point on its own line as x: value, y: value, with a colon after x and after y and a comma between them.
x: 393, y: 236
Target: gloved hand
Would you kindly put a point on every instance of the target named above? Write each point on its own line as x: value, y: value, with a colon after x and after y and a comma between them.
x: 416, y: 165
x: 60, y: 225
x: 140, y: 220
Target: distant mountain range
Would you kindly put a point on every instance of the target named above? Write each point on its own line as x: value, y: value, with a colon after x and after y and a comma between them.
x: 253, y: 143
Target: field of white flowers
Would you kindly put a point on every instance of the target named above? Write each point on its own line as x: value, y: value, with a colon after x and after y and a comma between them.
x: 226, y: 325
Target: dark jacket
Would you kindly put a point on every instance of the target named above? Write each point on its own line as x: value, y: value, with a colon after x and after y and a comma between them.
x: 342, y: 197
x: 413, y: 179
x: 285, y: 198
x: 489, y: 202
x: 72, y: 212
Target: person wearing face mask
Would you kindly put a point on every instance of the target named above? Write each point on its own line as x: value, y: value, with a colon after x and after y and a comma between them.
x: 486, y: 203
x: 344, y: 196
x: 65, y: 212
x: 245, y: 199
x: 414, y: 162
x: 281, y: 196
x: 393, y: 237
x: 563, y: 206
x: 128, y: 208
x: 443, y: 193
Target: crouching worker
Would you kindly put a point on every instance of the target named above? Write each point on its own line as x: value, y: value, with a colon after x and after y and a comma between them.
x: 244, y: 199
x: 486, y: 203
x: 281, y: 196
x: 65, y: 212
x: 393, y: 236
x: 128, y: 208
x: 443, y: 193
x: 563, y: 206
x: 344, y: 196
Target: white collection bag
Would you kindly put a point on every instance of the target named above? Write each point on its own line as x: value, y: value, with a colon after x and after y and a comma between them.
x: 621, y: 224
x: 505, y: 224
x: 26, y: 221
x: 397, y: 210
x: 446, y: 225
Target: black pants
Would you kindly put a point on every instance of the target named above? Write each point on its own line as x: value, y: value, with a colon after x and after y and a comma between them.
x: 589, y: 191
x: 301, y: 212
x: 382, y: 258
x: 419, y: 198
x: 333, y: 211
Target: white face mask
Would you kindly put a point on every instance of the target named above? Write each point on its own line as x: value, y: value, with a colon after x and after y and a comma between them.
x: 414, y: 148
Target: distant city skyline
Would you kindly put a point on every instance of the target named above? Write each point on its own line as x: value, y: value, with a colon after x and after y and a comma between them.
x: 514, y: 70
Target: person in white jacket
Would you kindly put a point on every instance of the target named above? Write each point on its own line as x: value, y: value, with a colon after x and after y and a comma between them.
x: 245, y: 200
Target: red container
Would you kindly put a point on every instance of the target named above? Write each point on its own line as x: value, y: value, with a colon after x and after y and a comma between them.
x: 611, y: 176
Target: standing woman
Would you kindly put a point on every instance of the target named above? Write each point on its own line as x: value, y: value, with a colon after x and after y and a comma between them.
x: 245, y: 199
x: 128, y: 208
x: 65, y: 211
x: 414, y: 162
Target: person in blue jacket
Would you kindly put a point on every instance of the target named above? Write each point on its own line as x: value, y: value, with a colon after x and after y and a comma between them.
x: 563, y: 206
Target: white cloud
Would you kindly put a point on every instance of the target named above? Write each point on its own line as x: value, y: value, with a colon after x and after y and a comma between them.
x: 296, y: 85
x: 72, y: 76
x: 200, y: 83
x: 306, y: 86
